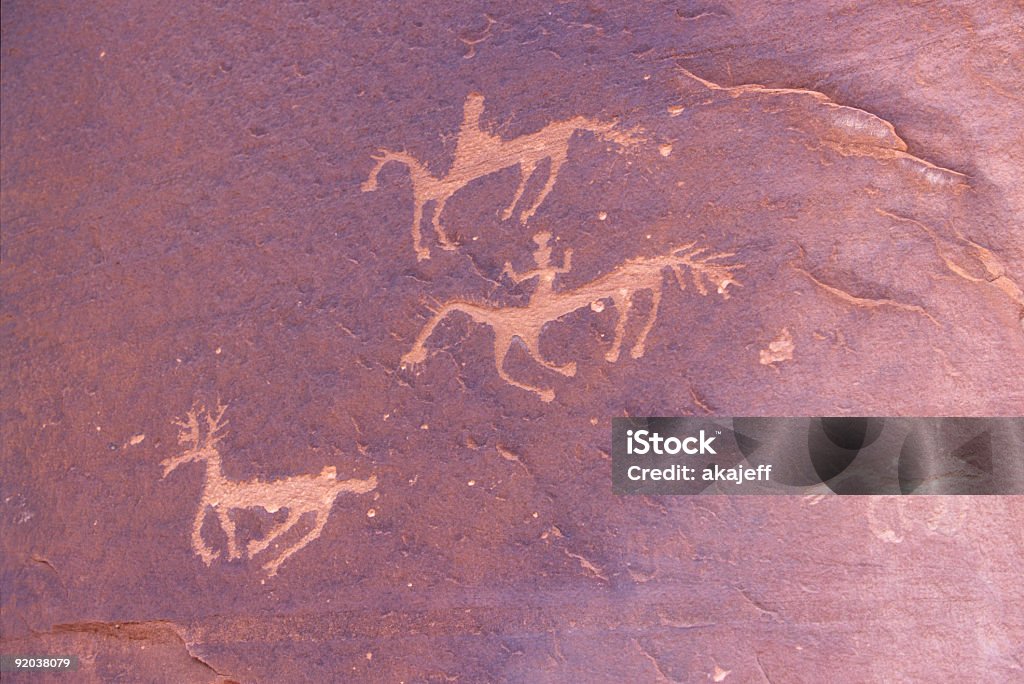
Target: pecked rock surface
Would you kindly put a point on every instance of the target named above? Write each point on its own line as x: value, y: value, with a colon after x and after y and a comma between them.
x: 212, y: 299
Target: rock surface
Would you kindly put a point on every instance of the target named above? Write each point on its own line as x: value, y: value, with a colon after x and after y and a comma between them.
x: 188, y: 223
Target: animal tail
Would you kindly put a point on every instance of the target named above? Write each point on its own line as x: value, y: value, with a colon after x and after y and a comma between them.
x: 382, y: 157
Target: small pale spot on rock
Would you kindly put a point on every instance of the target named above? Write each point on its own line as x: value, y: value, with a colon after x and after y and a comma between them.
x: 136, y: 439
x: 602, y: 216
x: 780, y: 349
x: 665, y: 149
x: 719, y: 674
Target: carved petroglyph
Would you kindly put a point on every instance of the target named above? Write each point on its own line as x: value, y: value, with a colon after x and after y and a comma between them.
x: 479, y: 153
x: 547, y: 305
x: 299, y: 495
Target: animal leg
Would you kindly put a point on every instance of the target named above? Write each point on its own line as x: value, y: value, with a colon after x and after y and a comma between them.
x: 532, y: 342
x: 623, y: 302
x: 502, y: 344
x: 556, y: 163
x: 198, y: 545
x: 638, y: 346
x: 370, y: 184
x: 418, y: 353
x: 257, y: 545
x: 525, y: 172
x: 417, y: 238
x: 228, y: 525
x: 318, y: 527
x: 438, y: 229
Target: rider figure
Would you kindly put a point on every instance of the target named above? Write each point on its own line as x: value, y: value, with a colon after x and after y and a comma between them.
x: 545, y: 271
x: 473, y: 140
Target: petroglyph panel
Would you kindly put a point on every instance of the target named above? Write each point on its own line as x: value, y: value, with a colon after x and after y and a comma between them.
x: 186, y: 214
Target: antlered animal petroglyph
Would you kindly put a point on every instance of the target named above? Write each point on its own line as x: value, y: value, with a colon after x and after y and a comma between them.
x: 298, y: 495
x: 525, y: 323
x: 479, y: 153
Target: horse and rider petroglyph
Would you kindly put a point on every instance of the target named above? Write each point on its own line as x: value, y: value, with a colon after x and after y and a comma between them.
x: 479, y: 153
x: 298, y: 495
x: 525, y: 323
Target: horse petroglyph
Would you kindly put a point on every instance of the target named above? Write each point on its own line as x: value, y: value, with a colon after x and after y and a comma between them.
x: 525, y: 323
x: 299, y: 495
x: 479, y: 153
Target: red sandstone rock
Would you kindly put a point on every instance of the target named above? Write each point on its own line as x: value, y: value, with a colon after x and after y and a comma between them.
x: 187, y: 222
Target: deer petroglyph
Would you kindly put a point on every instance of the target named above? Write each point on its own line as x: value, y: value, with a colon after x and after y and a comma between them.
x: 479, y: 153
x: 299, y: 495
x: 526, y: 323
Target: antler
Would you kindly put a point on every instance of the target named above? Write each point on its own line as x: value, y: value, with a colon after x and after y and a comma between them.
x: 214, y: 424
x: 189, y: 432
x: 382, y: 157
x: 190, y: 429
x: 189, y: 435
